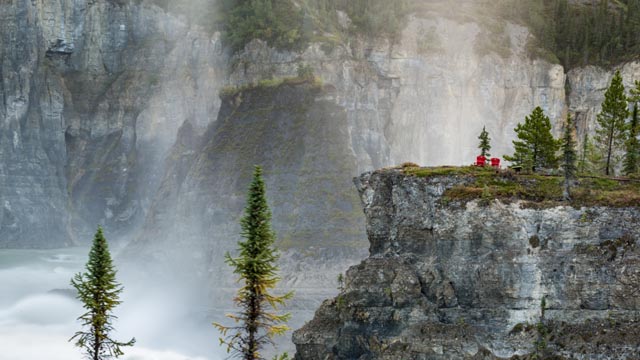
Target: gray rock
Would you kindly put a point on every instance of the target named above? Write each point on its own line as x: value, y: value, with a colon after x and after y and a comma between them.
x: 462, y: 281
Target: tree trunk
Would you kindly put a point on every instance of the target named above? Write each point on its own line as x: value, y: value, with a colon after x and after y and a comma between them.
x: 610, y: 150
x: 566, y: 191
x: 252, y: 328
x: 96, y: 345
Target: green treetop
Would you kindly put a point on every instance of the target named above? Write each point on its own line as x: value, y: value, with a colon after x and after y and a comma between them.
x: 611, y: 128
x: 632, y: 145
x: 278, y: 22
x: 257, y: 322
x: 485, y: 143
x: 536, y: 147
x: 99, y: 292
x: 569, y: 157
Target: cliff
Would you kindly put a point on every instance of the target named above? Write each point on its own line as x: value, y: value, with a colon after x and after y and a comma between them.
x: 474, y: 279
x: 93, y: 93
x: 295, y: 131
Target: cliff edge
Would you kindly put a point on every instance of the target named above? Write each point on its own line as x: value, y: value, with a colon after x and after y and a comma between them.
x: 450, y: 277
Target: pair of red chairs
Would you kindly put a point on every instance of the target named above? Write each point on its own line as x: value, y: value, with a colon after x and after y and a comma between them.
x: 482, y: 161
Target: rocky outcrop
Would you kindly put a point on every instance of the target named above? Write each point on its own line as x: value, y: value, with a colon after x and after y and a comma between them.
x: 464, y: 281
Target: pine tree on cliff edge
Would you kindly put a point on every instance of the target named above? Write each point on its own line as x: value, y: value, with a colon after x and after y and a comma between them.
x: 257, y: 322
x: 632, y: 144
x: 569, y: 157
x: 611, y: 121
x: 485, y: 143
x: 99, y: 292
x: 536, y: 147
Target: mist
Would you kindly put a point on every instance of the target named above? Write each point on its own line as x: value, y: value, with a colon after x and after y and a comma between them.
x: 38, y: 313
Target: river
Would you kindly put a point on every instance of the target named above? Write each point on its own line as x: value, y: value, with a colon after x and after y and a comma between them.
x: 38, y: 313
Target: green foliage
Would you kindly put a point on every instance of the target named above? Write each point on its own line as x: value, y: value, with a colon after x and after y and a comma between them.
x: 376, y: 17
x: 272, y: 83
x: 569, y: 157
x: 305, y: 71
x: 99, y: 292
x: 341, y: 282
x: 611, y: 121
x: 485, y: 143
x: 632, y: 144
x: 289, y: 25
x: 256, y: 266
x: 591, y: 158
x: 579, y: 33
x: 284, y: 356
x: 278, y: 22
x: 486, y: 184
x: 536, y: 148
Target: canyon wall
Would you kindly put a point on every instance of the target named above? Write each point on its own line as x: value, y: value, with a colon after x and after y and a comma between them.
x: 462, y: 280
x: 111, y: 115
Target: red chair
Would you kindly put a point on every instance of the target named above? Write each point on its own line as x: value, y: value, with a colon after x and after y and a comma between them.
x: 481, y: 160
x: 495, y: 162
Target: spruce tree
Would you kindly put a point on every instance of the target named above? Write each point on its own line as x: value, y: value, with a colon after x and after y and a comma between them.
x: 485, y: 143
x: 582, y: 165
x: 536, y: 147
x: 99, y: 292
x: 632, y: 145
x: 611, y: 121
x: 569, y: 157
x: 257, y: 322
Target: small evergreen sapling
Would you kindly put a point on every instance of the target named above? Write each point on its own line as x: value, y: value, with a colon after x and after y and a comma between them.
x: 485, y: 143
x: 100, y: 293
x: 569, y: 157
x: 257, y: 322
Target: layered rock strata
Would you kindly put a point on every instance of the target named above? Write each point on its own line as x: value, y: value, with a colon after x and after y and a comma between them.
x: 452, y: 280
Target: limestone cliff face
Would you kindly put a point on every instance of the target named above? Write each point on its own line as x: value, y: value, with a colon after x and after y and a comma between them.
x: 425, y: 96
x: 587, y: 87
x: 461, y: 281
x: 93, y: 93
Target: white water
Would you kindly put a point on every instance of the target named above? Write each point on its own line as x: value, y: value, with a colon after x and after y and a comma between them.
x: 36, y: 323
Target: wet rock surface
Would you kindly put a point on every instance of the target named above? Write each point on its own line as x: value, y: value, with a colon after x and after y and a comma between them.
x: 463, y: 281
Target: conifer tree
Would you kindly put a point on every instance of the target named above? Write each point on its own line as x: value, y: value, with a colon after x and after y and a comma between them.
x: 536, y: 147
x: 485, y: 143
x: 611, y: 121
x: 632, y: 145
x: 569, y: 157
x: 582, y: 164
x: 100, y: 293
x: 257, y: 322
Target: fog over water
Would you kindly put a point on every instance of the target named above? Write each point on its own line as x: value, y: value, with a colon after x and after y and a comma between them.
x: 38, y: 313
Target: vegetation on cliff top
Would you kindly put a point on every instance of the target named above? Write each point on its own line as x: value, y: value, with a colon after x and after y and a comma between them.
x: 578, y: 33
x: 574, y: 33
x: 487, y: 184
x: 289, y: 25
x: 273, y: 83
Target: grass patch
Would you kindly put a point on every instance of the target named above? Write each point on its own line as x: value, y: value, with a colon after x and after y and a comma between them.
x: 447, y: 171
x: 273, y: 83
x: 486, y: 184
